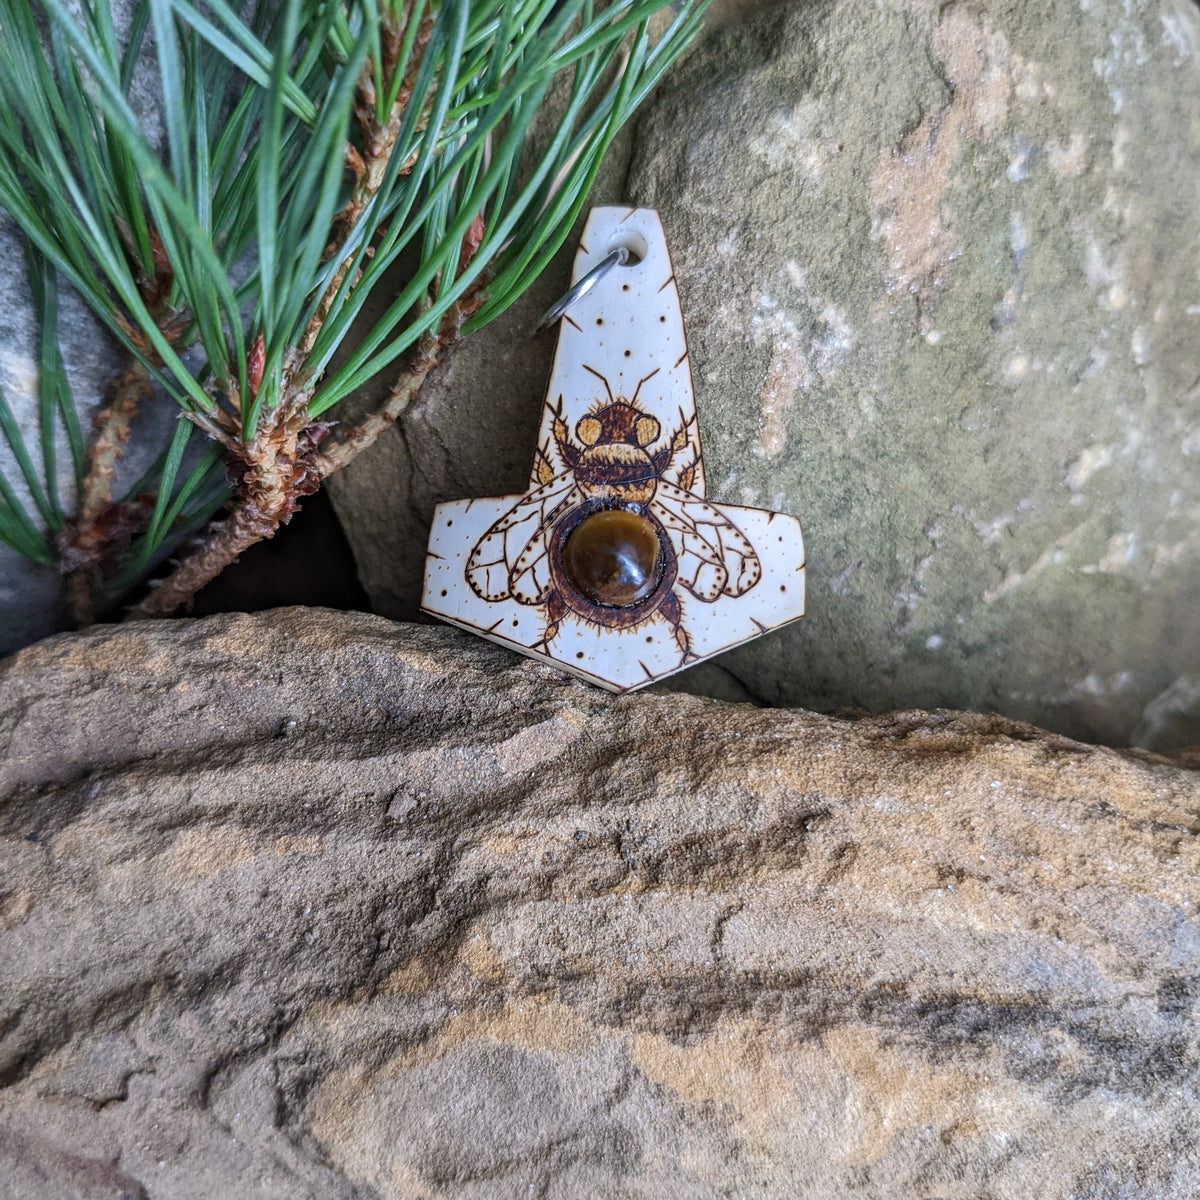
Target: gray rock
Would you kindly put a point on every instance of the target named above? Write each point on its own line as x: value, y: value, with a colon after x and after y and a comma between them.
x: 1172, y: 718
x: 937, y: 267
x: 312, y: 905
x: 29, y: 592
x: 943, y: 306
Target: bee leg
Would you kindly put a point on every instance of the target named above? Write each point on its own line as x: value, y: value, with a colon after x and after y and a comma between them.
x: 674, y: 614
x: 556, y: 609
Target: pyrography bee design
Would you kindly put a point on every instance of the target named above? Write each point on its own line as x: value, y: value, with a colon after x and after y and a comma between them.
x: 614, y: 532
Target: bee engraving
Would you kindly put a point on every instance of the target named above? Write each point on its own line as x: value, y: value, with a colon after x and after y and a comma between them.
x: 614, y: 533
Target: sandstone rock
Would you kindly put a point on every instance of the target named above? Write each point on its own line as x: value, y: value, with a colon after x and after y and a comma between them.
x: 312, y: 905
x: 937, y: 267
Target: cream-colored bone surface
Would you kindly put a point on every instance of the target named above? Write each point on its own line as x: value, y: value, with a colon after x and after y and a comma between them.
x: 622, y: 341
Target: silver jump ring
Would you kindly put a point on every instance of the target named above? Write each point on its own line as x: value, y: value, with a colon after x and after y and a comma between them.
x: 619, y: 256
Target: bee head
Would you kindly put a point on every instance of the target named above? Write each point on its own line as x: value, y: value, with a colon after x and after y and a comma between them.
x: 616, y: 423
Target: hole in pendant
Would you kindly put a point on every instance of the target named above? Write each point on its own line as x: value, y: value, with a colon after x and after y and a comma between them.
x: 634, y: 243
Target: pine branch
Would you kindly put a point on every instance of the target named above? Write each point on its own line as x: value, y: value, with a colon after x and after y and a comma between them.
x: 271, y: 490
x: 281, y: 466
x: 101, y: 526
x: 427, y: 103
x: 370, y: 166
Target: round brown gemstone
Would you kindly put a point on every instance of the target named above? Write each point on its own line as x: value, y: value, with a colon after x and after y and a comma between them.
x: 612, y: 558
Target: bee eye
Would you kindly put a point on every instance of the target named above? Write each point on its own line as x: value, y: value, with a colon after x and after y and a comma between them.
x: 646, y: 430
x: 588, y: 430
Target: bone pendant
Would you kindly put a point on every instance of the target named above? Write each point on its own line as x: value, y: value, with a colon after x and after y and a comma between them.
x: 612, y: 565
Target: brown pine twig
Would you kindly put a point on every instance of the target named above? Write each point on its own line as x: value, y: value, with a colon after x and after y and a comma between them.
x: 112, y: 425
x: 369, y: 165
x: 270, y: 491
x: 88, y: 539
x: 403, y: 392
x: 102, y: 525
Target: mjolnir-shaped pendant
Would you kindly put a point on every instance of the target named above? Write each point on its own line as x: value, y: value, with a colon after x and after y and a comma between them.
x: 612, y: 565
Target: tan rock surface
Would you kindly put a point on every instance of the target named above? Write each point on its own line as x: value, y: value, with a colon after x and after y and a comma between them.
x: 313, y: 905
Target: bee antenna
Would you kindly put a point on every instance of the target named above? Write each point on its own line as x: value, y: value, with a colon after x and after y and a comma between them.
x: 641, y: 381
x: 600, y: 377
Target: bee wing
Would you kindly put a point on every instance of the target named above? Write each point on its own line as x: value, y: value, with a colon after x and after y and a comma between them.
x: 511, y: 559
x: 714, y: 556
